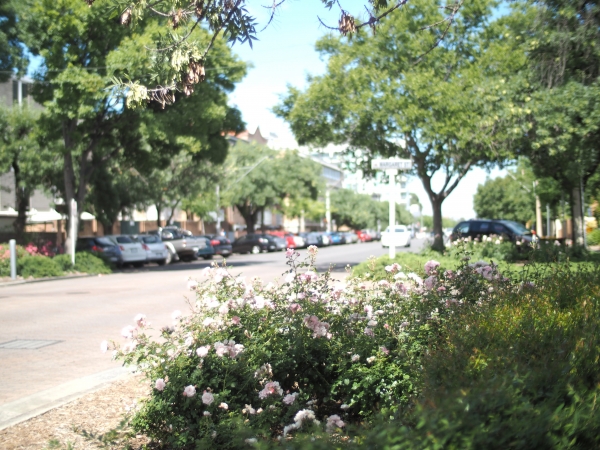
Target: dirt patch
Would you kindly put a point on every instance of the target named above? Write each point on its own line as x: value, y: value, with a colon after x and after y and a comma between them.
x: 93, y: 421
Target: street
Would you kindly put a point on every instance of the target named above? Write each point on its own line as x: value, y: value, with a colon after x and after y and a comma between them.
x: 67, y: 319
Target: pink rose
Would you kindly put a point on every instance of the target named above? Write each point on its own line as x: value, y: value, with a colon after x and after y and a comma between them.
x: 189, y: 391
x: 207, y: 398
x: 160, y: 385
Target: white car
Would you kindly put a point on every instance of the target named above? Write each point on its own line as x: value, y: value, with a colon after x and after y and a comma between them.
x: 132, y: 251
x: 400, y: 237
x: 156, y: 250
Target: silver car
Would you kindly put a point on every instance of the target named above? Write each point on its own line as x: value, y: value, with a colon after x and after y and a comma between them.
x: 132, y: 251
x: 156, y: 250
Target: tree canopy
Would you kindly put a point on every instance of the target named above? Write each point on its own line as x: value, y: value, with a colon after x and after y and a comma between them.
x: 180, y: 61
x: 83, y: 50
x: 442, y: 112
x: 259, y: 178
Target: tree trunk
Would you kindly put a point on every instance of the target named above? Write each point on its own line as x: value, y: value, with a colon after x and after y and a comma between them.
x: 262, y: 220
x: 107, y: 227
x: 22, y: 203
x: 69, y: 177
x: 577, y: 215
x: 438, y: 232
x: 158, y: 209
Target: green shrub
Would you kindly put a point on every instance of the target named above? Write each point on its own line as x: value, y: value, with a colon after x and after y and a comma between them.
x: 410, y: 262
x: 85, y: 262
x: 64, y: 262
x: 593, y: 238
x: 38, y: 267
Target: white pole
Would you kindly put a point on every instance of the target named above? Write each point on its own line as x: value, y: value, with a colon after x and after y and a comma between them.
x: 328, y: 210
x: 218, y: 210
x: 13, y: 259
x: 74, y: 217
x: 392, y: 174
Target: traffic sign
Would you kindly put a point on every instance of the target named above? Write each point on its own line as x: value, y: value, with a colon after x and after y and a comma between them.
x: 395, y: 163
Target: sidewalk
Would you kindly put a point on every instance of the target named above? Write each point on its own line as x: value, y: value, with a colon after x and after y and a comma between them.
x: 41, y: 402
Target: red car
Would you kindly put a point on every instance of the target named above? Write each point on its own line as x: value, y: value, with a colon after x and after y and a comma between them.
x: 363, y: 236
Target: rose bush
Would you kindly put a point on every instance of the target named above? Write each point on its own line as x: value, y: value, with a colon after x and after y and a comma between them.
x: 254, y: 361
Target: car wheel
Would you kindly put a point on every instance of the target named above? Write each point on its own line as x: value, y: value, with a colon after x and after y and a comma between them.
x: 138, y: 264
x: 161, y: 262
x: 255, y: 250
x: 208, y: 256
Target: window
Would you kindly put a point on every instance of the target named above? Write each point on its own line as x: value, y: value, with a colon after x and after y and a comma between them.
x: 150, y: 239
x: 480, y: 227
x: 462, y: 228
x: 124, y: 240
x: 104, y: 242
x: 499, y: 228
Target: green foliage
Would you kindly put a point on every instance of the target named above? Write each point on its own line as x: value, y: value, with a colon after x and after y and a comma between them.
x: 410, y: 262
x: 85, y: 262
x: 259, y: 178
x: 12, y: 58
x: 593, y: 238
x: 446, y: 108
x: 332, y: 349
x: 38, y: 267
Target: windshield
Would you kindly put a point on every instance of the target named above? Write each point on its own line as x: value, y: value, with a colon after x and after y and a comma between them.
x: 150, y: 239
x: 516, y: 227
x: 124, y: 240
x: 104, y: 242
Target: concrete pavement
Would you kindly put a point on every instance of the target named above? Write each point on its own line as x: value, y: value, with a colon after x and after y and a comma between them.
x: 50, y: 332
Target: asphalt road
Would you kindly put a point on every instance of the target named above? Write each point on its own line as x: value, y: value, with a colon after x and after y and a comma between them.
x: 69, y: 318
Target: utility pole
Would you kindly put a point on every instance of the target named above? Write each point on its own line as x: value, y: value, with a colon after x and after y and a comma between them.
x: 328, y: 210
x: 218, y: 211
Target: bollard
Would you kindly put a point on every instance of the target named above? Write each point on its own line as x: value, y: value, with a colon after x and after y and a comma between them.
x: 13, y: 259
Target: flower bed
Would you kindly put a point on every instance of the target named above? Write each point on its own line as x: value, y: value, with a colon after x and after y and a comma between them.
x: 264, y: 362
x: 41, y: 262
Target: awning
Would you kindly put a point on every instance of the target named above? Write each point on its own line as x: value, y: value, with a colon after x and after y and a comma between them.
x: 36, y: 216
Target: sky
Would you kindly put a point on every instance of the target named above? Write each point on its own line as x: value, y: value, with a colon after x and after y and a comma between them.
x: 285, y: 55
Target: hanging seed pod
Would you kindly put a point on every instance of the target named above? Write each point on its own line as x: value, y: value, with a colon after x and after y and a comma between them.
x: 126, y: 17
x: 346, y: 24
x: 195, y: 73
x: 188, y: 89
x: 89, y: 2
x: 176, y: 18
x: 199, y: 9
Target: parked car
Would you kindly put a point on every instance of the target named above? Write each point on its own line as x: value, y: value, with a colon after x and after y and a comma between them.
x: 254, y: 243
x: 280, y: 243
x: 132, y: 251
x: 156, y: 250
x: 294, y: 241
x: 363, y: 236
x: 335, y: 238
x: 221, y: 244
x: 350, y: 237
x: 100, y: 246
x: 310, y: 239
x: 399, y: 238
x: 476, y: 229
x: 180, y: 243
x: 205, y: 248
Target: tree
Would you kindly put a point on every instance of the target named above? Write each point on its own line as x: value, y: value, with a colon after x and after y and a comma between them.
x: 180, y: 60
x: 268, y: 179
x: 442, y: 112
x: 512, y: 197
x: 12, y: 58
x: 21, y: 153
x: 556, y: 86
x: 83, y: 50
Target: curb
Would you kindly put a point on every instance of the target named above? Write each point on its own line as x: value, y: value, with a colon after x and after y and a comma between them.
x: 39, y: 280
x: 25, y: 408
